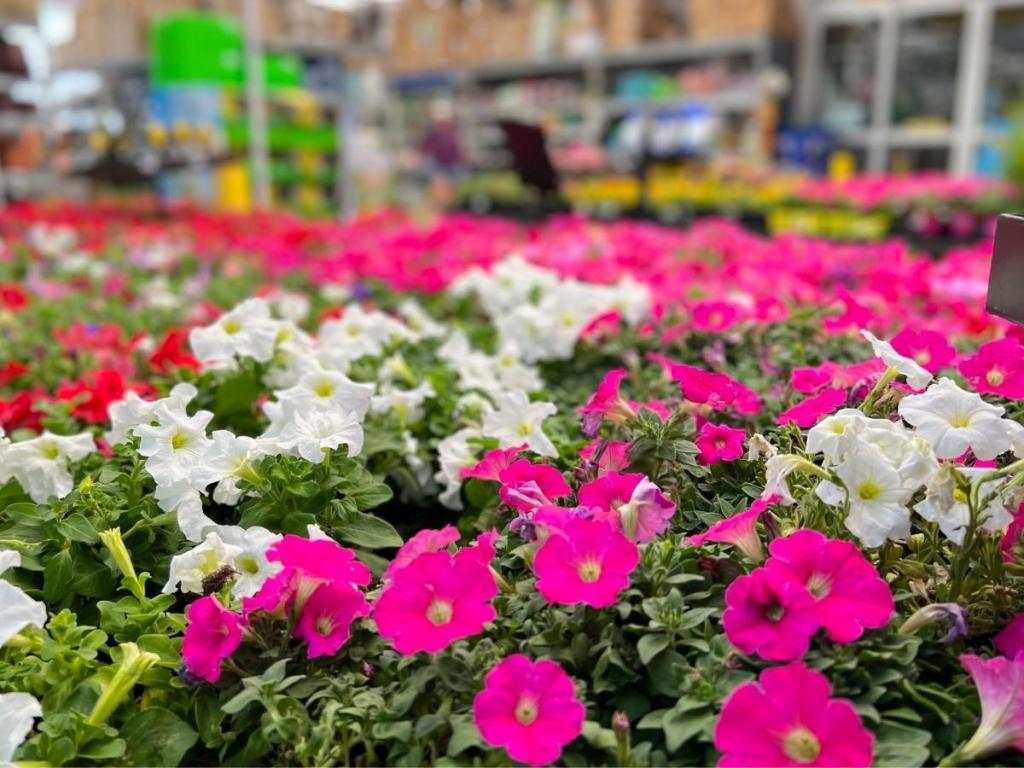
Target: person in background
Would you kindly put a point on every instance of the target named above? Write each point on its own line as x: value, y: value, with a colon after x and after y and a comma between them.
x: 442, y: 153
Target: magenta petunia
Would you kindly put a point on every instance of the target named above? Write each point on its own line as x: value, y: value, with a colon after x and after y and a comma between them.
x: 1010, y: 640
x: 613, y: 456
x: 740, y: 530
x: 427, y: 540
x: 1011, y: 546
x: 811, y: 410
x: 850, y: 594
x: 630, y: 502
x: 525, y: 485
x: 716, y: 390
x: 213, y: 633
x: 492, y: 464
x: 770, y: 614
x: 789, y: 718
x: 997, y: 368
x: 326, y: 619
x: 1000, y: 684
x: 319, y: 559
x: 587, y: 561
x: 434, y: 601
x: 606, y: 403
x: 929, y: 349
x: 529, y: 708
x: 717, y: 442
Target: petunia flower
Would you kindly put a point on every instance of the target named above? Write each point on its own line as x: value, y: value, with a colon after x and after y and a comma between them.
x: 953, y: 421
x: 606, y: 403
x: 809, y: 411
x: 716, y: 390
x: 492, y: 463
x: 212, y: 634
x: 17, y: 609
x: 718, y: 442
x: 587, y: 561
x: 326, y: 619
x: 850, y: 595
x: 426, y: 540
x: 1000, y: 684
x: 917, y: 376
x: 434, y: 601
x: 630, y: 502
x: 525, y: 485
x: 517, y: 420
x: 613, y: 457
x: 930, y: 349
x: 996, y: 368
x: 1010, y: 640
x: 17, y: 711
x: 529, y: 708
x: 789, y: 718
x: 770, y: 613
x: 740, y: 530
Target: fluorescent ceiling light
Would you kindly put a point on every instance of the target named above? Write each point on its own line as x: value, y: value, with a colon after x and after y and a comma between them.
x: 349, y: 6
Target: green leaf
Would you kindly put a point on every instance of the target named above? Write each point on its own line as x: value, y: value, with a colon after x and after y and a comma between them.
x: 901, y: 745
x: 681, y: 726
x: 399, y: 731
x: 57, y: 577
x: 368, y: 531
x: 464, y: 735
x: 77, y: 527
x: 157, y: 736
x: 239, y: 702
x: 109, y: 749
x: 650, y: 646
x: 370, y: 496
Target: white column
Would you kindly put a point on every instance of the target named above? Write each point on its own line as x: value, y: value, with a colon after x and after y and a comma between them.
x: 259, y: 151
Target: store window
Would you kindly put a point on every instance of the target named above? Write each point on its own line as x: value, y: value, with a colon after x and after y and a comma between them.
x: 851, y: 51
x: 928, y: 59
x: 909, y: 159
x: 1004, y: 96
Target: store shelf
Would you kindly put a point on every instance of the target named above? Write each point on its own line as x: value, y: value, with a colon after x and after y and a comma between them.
x: 724, y: 101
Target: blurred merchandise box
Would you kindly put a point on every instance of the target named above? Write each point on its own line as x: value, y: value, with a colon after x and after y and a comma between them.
x: 426, y: 36
x: 717, y: 19
x: 629, y: 24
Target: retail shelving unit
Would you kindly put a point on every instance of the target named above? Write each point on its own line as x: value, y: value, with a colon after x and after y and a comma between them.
x: 919, y: 83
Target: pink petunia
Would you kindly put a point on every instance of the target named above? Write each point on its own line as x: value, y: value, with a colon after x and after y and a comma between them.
x: 492, y: 464
x: 708, y: 387
x: 606, y: 403
x: 1010, y: 640
x: 1011, y: 545
x: 811, y: 410
x: 1000, y: 684
x: 740, y: 530
x: 716, y: 316
x: 525, y: 485
x: 717, y: 442
x: 319, y: 559
x: 213, y: 633
x: 929, y: 349
x: 630, y: 502
x: 613, y: 458
x: 789, y: 718
x: 434, y: 601
x: 997, y: 368
x: 588, y: 561
x: 529, y: 708
x: 850, y: 595
x: 427, y: 540
x: 326, y: 619
x: 770, y: 614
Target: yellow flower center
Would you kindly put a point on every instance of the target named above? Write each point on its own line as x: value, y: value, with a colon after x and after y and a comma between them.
x: 869, y: 490
x: 819, y: 585
x: 179, y: 440
x: 959, y: 496
x: 49, y: 451
x: 323, y: 389
x: 526, y: 710
x: 589, y: 571
x: 995, y: 377
x: 801, y: 745
x: 439, y: 612
x: 249, y: 565
x: 231, y: 327
x: 525, y: 428
x: 960, y: 421
x: 324, y: 626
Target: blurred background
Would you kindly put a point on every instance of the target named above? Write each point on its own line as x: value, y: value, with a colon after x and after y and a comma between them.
x: 800, y: 115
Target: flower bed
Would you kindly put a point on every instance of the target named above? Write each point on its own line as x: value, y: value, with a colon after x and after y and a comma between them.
x: 306, y: 493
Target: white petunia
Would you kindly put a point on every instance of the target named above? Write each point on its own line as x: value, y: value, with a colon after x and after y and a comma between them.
x: 877, y: 497
x: 516, y: 421
x: 952, y: 420
x: 181, y: 498
x: 329, y: 390
x: 17, y: 711
x: 250, y: 563
x: 40, y: 465
x: 17, y: 609
x: 917, y: 377
x: 227, y: 459
x: 454, y: 453
x: 309, y: 434
x: 777, y: 470
x: 132, y: 411
x: 358, y: 333
x: 946, y: 504
x: 248, y: 330
x: 174, y: 445
x: 189, y: 569
x: 406, y: 404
